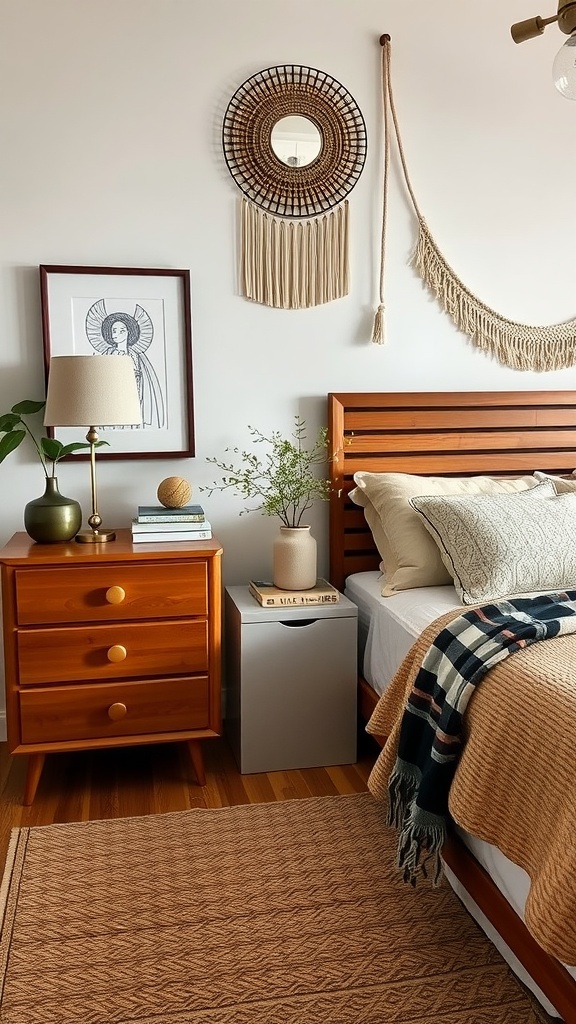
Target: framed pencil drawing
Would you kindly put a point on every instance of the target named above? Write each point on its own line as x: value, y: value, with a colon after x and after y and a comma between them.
x: 139, y: 312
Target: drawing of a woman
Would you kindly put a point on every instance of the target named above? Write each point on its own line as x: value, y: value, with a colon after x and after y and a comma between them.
x: 122, y: 334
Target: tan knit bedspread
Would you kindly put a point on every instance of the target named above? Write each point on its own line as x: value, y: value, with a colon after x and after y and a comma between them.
x: 515, y: 784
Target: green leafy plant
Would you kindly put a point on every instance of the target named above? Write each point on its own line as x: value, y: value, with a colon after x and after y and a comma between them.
x: 283, y: 482
x: 14, y: 429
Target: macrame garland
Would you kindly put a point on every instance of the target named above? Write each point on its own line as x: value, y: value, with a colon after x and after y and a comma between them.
x: 293, y: 264
x: 520, y: 346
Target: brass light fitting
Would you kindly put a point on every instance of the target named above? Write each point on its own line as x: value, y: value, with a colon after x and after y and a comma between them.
x: 532, y: 27
x: 564, y: 67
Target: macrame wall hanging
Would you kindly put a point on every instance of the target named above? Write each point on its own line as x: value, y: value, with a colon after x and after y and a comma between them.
x: 294, y: 141
x: 521, y: 346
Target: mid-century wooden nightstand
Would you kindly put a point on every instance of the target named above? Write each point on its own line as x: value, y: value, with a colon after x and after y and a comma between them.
x: 110, y: 645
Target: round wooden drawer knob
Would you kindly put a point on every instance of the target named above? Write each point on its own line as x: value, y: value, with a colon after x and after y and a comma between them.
x: 117, y: 711
x: 115, y: 595
x: 116, y: 653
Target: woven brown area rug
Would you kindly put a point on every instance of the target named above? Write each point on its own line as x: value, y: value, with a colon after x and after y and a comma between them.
x: 279, y: 913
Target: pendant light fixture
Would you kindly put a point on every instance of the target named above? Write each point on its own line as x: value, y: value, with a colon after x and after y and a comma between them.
x: 564, y: 66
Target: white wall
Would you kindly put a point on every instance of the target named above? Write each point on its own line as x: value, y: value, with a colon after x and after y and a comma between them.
x: 110, y: 121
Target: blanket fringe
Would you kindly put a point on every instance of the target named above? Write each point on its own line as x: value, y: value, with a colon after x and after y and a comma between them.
x: 402, y: 789
x: 422, y: 834
x: 418, y: 845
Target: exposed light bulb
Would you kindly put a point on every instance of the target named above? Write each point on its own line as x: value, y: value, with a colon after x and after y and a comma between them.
x: 564, y: 68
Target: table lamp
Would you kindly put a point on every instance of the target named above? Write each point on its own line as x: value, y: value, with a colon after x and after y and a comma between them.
x: 89, y: 391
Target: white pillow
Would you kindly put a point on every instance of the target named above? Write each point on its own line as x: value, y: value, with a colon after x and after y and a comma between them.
x: 497, y: 545
x: 410, y: 558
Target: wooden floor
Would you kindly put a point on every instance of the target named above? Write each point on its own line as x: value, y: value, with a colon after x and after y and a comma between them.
x: 155, y: 779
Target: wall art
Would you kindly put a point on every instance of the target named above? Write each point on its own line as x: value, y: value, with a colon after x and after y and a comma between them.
x: 139, y: 312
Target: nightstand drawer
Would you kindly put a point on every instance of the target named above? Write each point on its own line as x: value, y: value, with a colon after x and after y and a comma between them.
x: 125, y: 650
x: 121, y: 709
x: 111, y: 592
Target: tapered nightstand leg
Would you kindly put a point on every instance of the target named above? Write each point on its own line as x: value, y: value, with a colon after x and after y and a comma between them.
x: 195, y: 750
x: 35, y: 766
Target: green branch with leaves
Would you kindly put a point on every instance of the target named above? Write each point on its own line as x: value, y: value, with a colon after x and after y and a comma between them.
x: 284, y: 481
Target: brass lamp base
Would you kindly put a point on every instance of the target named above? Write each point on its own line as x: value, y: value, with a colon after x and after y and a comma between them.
x: 95, y: 535
x: 92, y: 537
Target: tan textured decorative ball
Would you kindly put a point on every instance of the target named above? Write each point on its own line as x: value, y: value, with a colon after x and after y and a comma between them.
x: 174, y: 492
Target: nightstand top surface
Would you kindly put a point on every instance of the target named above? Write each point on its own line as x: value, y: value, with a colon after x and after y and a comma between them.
x: 21, y: 549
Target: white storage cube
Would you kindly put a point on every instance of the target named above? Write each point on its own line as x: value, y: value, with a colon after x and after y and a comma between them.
x: 291, y: 676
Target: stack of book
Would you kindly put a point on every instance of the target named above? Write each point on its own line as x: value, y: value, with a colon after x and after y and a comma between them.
x: 156, y: 523
x: 272, y: 597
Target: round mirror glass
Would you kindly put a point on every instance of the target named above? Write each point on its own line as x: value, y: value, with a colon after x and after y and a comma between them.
x: 296, y: 140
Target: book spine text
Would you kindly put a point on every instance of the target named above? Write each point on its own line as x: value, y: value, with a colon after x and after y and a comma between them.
x: 294, y: 600
x: 159, y: 518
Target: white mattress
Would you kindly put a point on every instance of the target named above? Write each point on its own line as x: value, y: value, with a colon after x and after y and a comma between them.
x: 388, y: 626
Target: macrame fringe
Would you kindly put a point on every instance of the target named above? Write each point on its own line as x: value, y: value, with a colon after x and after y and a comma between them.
x: 293, y: 265
x: 521, y: 346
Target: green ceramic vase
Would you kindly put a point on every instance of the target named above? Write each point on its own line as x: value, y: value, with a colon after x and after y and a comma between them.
x: 52, y: 517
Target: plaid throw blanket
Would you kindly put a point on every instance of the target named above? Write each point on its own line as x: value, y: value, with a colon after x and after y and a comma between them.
x: 431, y: 729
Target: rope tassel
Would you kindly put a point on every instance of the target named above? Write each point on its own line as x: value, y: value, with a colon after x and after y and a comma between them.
x: 379, y: 329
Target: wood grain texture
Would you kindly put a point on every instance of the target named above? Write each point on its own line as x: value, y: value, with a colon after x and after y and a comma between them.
x: 112, y: 783
x: 64, y: 595
x: 83, y: 712
x: 83, y: 653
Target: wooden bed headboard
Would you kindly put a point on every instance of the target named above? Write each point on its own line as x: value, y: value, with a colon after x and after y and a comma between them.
x: 445, y: 433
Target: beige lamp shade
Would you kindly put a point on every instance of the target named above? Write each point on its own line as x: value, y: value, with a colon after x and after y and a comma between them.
x: 92, y: 391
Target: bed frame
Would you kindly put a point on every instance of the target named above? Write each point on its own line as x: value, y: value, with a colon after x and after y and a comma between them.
x: 503, y: 433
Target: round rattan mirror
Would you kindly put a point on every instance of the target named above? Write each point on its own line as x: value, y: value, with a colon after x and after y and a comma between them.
x: 252, y: 128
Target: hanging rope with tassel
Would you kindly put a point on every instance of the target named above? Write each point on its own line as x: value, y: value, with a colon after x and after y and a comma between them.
x: 379, y: 329
x: 520, y: 346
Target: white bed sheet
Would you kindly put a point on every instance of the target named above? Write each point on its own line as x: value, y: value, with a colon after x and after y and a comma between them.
x: 387, y: 628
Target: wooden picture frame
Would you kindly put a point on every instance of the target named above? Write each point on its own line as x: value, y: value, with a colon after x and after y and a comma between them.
x: 145, y: 313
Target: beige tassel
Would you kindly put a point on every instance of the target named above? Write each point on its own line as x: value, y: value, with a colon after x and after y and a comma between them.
x: 379, y: 329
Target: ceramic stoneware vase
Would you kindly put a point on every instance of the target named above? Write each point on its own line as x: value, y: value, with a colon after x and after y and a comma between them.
x: 52, y: 517
x: 294, y: 558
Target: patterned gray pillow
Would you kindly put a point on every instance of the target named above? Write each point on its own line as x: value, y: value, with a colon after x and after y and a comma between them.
x: 496, y: 545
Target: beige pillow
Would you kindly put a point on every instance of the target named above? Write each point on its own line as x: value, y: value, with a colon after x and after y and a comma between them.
x: 562, y: 484
x: 497, y: 545
x: 410, y: 558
